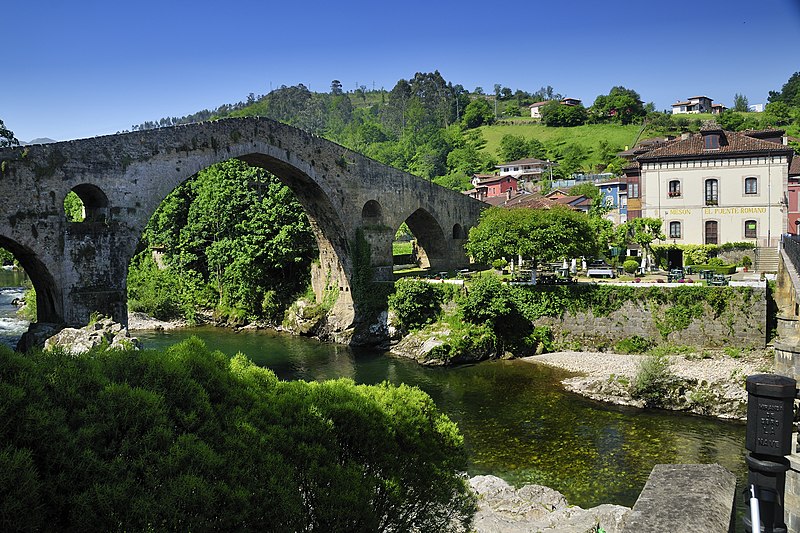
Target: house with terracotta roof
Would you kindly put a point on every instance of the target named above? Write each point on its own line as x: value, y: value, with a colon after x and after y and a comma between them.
x: 693, y: 105
x: 716, y: 186
x: 793, y: 197
x: 492, y: 185
x: 529, y: 169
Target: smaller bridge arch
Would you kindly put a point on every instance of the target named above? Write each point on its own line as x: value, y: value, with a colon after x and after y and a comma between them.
x: 48, y: 297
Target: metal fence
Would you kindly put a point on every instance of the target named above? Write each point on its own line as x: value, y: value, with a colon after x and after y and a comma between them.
x: 791, y: 245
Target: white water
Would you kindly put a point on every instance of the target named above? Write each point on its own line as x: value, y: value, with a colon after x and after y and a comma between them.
x: 11, y: 327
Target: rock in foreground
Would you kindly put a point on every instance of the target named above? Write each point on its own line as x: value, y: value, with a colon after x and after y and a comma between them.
x: 504, y: 509
x: 103, y: 332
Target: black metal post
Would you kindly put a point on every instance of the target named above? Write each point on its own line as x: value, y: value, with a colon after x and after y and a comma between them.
x: 770, y: 413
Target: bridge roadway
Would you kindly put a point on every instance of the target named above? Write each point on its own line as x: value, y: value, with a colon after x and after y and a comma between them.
x: 80, y: 268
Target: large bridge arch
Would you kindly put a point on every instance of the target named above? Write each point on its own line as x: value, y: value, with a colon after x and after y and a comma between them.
x: 133, y: 172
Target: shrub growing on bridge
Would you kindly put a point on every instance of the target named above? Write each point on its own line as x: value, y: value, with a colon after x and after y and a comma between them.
x: 190, y: 440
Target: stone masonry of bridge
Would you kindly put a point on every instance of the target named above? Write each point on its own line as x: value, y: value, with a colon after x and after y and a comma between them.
x: 80, y: 268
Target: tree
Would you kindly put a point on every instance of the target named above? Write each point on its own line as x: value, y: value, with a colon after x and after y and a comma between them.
x: 544, y: 234
x: 557, y: 114
x: 620, y: 105
x: 740, y: 103
x: 7, y: 136
x: 643, y: 231
x: 730, y: 120
x: 514, y: 147
x: 478, y: 113
x: 239, y: 230
x: 789, y: 93
x: 336, y: 87
x: 778, y: 113
x: 193, y: 440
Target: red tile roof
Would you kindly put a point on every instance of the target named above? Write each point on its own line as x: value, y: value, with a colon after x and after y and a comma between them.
x: 731, y: 143
x: 794, y: 166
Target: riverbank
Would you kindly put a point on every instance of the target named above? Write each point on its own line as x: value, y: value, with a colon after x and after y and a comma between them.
x: 709, y: 384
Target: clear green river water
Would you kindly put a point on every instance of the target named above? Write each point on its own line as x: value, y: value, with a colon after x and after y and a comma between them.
x: 518, y: 422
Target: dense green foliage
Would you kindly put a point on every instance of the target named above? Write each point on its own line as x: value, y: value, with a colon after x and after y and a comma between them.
x: 415, y: 302
x: 73, y: 207
x: 546, y: 235
x: 190, y: 440
x: 557, y: 114
x: 620, y: 105
x: 234, y: 239
x: 7, y: 136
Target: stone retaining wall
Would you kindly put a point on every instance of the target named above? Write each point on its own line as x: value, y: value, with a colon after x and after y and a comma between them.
x: 743, y: 325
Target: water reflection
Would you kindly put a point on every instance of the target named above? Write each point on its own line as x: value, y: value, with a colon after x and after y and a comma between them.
x: 518, y: 423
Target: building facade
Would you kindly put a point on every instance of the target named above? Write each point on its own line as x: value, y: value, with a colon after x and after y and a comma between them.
x: 716, y: 187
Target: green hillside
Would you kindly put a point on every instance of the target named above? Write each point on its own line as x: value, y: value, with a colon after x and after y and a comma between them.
x: 588, y: 136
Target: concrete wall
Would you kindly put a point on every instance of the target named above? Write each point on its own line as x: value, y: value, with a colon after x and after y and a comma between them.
x: 82, y: 267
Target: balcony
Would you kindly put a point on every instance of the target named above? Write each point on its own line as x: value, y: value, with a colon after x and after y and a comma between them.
x: 712, y: 201
x: 674, y: 194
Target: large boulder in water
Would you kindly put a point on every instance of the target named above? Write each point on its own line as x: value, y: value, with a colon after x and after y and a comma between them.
x: 104, y: 332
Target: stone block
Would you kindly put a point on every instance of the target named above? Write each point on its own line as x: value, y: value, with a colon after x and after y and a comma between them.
x: 684, y: 498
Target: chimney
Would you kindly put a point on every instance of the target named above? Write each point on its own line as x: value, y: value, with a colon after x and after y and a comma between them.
x: 685, y: 135
x: 785, y: 140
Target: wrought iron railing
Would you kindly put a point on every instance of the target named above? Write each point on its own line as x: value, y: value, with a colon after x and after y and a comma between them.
x: 791, y: 245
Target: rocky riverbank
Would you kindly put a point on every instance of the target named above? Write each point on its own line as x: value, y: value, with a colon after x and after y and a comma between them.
x: 504, y: 509
x: 708, y: 384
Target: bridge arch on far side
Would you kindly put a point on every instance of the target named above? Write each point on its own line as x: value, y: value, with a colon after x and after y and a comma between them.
x: 48, y: 297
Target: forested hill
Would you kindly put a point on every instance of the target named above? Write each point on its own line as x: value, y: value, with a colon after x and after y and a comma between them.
x: 440, y: 131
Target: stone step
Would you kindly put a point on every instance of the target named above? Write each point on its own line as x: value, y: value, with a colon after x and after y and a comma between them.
x: 766, y: 260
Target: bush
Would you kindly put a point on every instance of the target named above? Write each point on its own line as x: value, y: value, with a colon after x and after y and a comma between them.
x: 415, y: 303
x: 653, y: 380
x: 747, y: 262
x: 634, y: 344
x: 630, y: 266
x: 190, y: 440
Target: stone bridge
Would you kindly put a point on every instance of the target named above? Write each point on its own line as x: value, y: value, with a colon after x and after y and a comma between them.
x: 80, y: 268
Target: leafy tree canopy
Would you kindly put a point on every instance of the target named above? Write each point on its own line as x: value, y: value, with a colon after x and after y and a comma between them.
x: 543, y: 234
x: 789, y: 93
x: 557, y: 114
x: 478, y: 113
x: 619, y: 105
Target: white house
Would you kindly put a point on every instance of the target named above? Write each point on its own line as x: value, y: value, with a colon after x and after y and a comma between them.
x: 693, y: 105
x: 536, y: 108
x: 716, y: 187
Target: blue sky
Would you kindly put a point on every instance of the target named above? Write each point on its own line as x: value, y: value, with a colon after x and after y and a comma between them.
x: 84, y: 68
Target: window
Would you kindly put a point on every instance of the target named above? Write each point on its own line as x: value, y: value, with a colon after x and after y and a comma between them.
x: 674, y: 188
x: 711, y: 232
x: 750, y: 229
x: 751, y: 185
x: 674, y: 230
x: 712, y: 192
x: 711, y: 141
x: 634, y: 190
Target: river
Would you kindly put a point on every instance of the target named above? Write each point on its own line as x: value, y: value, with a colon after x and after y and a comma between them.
x: 518, y: 422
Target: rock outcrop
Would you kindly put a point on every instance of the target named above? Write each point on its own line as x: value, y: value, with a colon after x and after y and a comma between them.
x: 102, y: 332
x: 504, y: 509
